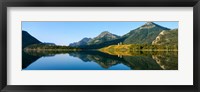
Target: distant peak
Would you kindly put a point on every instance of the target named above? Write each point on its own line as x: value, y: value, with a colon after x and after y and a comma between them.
x: 105, y: 32
x: 149, y: 23
x: 86, y: 38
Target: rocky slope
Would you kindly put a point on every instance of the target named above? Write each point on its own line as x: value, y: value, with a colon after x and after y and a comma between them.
x: 167, y: 38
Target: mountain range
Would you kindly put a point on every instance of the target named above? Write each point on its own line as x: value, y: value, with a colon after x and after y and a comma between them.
x: 145, y: 34
x: 150, y: 33
x: 101, y: 38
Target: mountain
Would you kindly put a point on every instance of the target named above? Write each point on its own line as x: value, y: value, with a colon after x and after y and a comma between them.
x: 144, y: 34
x: 167, y: 38
x: 82, y: 42
x: 103, y: 37
x: 28, y: 39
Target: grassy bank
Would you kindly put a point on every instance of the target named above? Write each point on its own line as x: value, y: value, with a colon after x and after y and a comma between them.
x: 130, y: 49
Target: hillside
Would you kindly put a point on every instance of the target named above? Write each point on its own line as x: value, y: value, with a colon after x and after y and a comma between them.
x: 144, y: 34
x: 167, y: 38
x: 28, y: 39
x: 82, y: 42
x: 103, y: 37
x: 104, y: 44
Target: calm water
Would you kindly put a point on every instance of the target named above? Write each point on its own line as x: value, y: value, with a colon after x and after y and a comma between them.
x: 94, y: 60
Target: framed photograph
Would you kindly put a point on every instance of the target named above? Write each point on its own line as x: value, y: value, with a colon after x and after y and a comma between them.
x: 74, y: 45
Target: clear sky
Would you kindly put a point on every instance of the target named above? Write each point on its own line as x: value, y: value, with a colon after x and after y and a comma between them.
x: 64, y: 33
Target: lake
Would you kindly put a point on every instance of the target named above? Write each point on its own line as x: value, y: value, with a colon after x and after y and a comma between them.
x: 96, y: 60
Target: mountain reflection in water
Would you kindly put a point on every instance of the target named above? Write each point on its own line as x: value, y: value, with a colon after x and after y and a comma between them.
x: 96, y: 60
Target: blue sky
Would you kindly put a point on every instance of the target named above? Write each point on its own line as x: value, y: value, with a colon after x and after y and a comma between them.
x: 64, y: 33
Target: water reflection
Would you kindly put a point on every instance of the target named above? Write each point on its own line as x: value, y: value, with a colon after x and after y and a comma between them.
x: 95, y: 60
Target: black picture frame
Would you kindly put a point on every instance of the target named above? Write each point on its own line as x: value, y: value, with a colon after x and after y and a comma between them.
x: 98, y: 3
